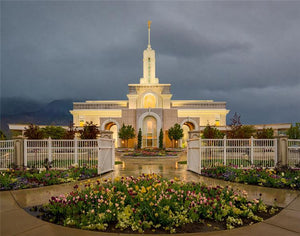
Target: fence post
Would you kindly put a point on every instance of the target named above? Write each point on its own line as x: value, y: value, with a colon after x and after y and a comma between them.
x: 113, y: 154
x: 19, y: 153
x: 99, y: 156
x: 75, y: 150
x: 49, y: 149
x: 188, y: 155
x: 251, y: 151
x: 25, y: 152
x: 282, y: 149
x: 275, y: 152
x: 225, y: 149
x: 200, y: 156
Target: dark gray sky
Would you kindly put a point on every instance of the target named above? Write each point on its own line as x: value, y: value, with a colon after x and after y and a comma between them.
x: 245, y: 53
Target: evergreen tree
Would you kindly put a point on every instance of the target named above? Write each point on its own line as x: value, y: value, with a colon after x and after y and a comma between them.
x: 161, y: 139
x: 139, y: 145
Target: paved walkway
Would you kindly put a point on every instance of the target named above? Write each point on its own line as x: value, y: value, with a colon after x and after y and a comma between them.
x: 15, y: 221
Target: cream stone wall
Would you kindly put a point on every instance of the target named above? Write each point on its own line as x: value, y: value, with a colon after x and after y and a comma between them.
x: 129, y: 117
x: 94, y: 115
x: 193, y: 120
x: 136, y: 99
x: 169, y: 118
x: 208, y: 116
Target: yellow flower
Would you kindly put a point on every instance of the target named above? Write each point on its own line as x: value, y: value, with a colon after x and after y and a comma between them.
x: 283, y: 180
x: 136, y: 187
x: 156, y: 214
x: 143, y: 190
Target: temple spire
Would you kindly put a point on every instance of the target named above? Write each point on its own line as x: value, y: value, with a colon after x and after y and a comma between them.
x: 149, y: 25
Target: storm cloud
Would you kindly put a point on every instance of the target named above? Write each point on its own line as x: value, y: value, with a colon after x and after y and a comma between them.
x: 245, y: 53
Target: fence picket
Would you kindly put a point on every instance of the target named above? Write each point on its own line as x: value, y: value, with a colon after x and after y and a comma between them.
x: 238, y: 152
x: 293, y: 152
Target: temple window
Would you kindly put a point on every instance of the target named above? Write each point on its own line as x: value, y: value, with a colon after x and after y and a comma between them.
x: 149, y: 101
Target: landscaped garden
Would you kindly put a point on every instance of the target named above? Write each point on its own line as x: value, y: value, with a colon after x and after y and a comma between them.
x: 150, y: 203
x: 151, y: 152
x: 275, y: 178
x: 13, y: 179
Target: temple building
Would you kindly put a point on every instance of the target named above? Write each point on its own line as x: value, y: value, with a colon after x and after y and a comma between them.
x: 151, y: 108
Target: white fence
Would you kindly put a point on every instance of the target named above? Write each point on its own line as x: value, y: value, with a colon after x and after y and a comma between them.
x: 7, y: 153
x: 64, y: 153
x: 293, y: 152
x: 205, y: 153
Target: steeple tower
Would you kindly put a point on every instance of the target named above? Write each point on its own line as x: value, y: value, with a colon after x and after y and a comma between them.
x: 149, y: 63
x: 149, y: 25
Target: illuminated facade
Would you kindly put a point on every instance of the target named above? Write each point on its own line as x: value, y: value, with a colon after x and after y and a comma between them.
x: 149, y: 107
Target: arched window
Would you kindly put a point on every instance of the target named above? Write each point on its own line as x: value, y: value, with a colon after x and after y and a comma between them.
x: 149, y: 101
x: 149, y: 132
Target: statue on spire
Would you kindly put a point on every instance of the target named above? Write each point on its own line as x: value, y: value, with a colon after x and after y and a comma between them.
x: 149, y: 24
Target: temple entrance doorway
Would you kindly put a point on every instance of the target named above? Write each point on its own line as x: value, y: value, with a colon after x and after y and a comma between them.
x: 149, y: 132
x: 111, y: 126
x: 187, y: 126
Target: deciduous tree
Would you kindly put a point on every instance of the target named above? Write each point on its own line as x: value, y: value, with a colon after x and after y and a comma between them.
x: 126, y: 132
x: 294, y: 131
x: 70, y: 133
x: 175, y: 133
x: 54, y: 132
x: 2, y: 135
x: 34, y: 132
x: 265, y: 133
x: 90, y: 131
x: 237, y: 130
x: 212, y: 133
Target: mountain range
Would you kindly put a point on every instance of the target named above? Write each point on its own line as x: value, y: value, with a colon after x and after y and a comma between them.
x: 27, y: 111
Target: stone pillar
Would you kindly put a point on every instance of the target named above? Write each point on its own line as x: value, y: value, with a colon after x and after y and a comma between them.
x: 282, y: 149
x: 19, y: 152
x: 106, y: 134
x: 194, y: 134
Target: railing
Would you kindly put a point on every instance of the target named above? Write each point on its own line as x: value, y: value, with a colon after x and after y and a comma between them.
x: 77, y: 106
x: 209, y: 105
x: 7, y: 153
x: 205, y: 153
x: 293, y: 152
x: 64, y: 153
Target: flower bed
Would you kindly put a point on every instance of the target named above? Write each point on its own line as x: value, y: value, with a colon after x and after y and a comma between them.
x: 150, y: 152
x: 20, y: 179
x: 276, y: 178
x: 150, y: 204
